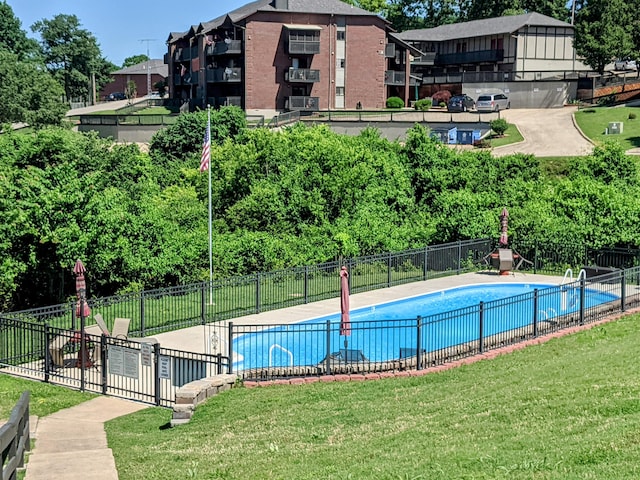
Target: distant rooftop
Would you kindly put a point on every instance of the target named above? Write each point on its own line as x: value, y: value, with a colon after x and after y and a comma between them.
x: 157, y: 67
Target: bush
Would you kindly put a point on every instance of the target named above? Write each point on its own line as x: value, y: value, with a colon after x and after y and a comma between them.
x: 499, y: 126
x: 395, y: 102
x: 632, y: 116
x: 440, y: 97
x: 423, y: 104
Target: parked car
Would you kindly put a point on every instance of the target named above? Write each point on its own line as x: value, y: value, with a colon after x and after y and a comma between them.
x: 492, y: 102
x: 625, y: 65
x: 461, y: 103
x: 116, y: 96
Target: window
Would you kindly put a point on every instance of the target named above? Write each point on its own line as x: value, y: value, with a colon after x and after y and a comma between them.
x: 341, y: 63
x: 339, y: 91
x: 340, y: 35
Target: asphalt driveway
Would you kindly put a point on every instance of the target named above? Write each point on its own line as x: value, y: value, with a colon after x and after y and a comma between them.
x: 547, y: 132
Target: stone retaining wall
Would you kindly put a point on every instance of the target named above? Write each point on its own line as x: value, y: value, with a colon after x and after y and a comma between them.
x: 192, y: 394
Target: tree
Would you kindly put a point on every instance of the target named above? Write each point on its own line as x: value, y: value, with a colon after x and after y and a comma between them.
x: 605, y: 31
x: 12, y: 37
x: 71, y: 53
x: 134, y: 60
x: 28, y: 93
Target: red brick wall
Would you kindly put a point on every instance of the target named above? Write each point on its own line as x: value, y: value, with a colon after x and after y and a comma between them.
x: 266, y: 61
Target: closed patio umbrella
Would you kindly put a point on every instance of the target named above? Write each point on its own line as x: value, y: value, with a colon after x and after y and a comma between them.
x: 82, y: 308
x: 504, y: 219
x: 345, y: 325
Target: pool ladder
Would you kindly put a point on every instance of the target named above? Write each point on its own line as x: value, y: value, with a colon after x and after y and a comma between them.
x: 281, y: 348
x: 568, y: 278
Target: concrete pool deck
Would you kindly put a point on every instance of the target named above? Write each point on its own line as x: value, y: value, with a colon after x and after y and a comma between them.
x: 193, y: 339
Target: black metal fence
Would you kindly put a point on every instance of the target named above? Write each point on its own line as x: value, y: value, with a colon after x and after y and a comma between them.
x: 139, y: 369
x: 166, y: 309
x: 263, y: 352
x: 46, y: 343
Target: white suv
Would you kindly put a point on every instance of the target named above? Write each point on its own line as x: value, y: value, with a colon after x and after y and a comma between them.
x: 492, y: 102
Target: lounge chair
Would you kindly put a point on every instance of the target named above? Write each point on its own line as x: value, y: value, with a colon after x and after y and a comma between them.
x: 101, y: 323
x: 121, y: 328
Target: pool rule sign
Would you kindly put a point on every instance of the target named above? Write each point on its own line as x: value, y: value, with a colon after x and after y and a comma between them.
x: 123, y: 361
x: 145, y: 352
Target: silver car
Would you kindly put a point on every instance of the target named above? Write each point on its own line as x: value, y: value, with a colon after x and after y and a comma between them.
x: 492, y: 102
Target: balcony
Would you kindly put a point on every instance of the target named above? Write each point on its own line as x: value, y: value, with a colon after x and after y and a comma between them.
x: 224, y: 75
x: 229, y: 101
x: 185, y: 53
x: 302, y: 75
x: 186, y: 79
x: 426, y: 59
x: 303, y: 103
x: 304, y: 47
x: 233, y: 47
x: 392, y: 77
x: 470, y: 57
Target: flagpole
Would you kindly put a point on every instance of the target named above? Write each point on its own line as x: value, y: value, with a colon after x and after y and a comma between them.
x: 210, y: 217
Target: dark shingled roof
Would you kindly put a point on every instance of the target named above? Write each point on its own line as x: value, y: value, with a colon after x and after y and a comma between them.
x: 156, y: 66
x: 336, y: 7
x: 481, y: 28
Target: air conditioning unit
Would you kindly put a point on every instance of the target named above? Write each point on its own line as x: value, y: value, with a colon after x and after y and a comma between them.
x: 615, y: 128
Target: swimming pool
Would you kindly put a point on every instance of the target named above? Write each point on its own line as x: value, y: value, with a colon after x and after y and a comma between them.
x: 389, y: 331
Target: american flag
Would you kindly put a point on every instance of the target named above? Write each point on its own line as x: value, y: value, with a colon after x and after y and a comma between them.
x: 205, y: 159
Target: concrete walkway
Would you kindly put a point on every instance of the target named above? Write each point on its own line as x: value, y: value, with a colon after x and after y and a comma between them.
x: 72, y: 443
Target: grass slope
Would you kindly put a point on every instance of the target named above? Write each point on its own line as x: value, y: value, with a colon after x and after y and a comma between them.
x: 567, y: 409
x: 594, y: 121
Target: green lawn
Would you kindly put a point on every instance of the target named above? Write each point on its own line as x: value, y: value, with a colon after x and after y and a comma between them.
x: 45, y: 398
x: 566, y: 409
x: 511, y: 135
x: 594, y: 121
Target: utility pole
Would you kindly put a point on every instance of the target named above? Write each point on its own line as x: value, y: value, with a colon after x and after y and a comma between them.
x: 148, y: 63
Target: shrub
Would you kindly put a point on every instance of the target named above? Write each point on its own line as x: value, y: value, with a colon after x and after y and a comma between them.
x: 632, y: 116
x: 423, y: 104
x: 482, y: 143
x: 395, y: 102
x: 440, y: 97
x: 499, y: 126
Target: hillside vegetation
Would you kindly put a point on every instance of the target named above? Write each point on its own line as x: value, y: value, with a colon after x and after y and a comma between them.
x: 298, y: 196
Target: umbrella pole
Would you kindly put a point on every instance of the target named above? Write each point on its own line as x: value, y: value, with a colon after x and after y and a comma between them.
x: 83, y: 345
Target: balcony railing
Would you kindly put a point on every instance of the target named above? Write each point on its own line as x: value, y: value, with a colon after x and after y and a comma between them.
x: 224, y: 75
x: 470, y: 57
x: 302, y: 103
x: 185, y: 53
x: 304, y: 47
x: 232, y: 47
x: 186, y: 79
x: 426, y: 59
x: 392, y: 77
x: 302, y: 75
x: 228, y: 101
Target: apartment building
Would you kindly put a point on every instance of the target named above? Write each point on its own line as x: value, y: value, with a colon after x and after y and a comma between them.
x: 290, y: 55
x: 497, y: 53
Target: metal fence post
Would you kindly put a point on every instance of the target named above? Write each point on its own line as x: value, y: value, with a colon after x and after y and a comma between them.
x: 389, y: 270
x: 47, y: 353
x: 306, y: 284
x: 103, y: 363
x: 535, y: 259
x: 424, y: 263
x: 142, y: 322
x: 203, y: 303
x: 419, y: 343
x: 481, y: 335
x: 327, y: 360
x: 459, y: 256
x: 535, y: 312
x: 582, y: 301
x: 230, y: 340
x: 258, y: 293
x: 156, y: 373
x: 623, y: 292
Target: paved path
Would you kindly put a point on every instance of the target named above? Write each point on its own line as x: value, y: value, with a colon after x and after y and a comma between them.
x: 547, y: 132
x: 72, y: 443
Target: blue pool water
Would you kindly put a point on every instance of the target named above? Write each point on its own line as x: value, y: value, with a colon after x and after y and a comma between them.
x: 388, y: 331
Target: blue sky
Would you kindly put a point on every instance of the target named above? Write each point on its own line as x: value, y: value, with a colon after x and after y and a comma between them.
x: 119, y: 25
